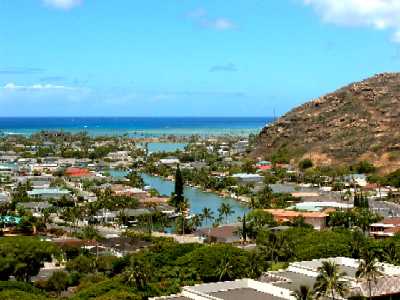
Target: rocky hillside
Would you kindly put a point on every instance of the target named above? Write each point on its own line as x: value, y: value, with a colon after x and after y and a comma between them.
x: 358, y: 122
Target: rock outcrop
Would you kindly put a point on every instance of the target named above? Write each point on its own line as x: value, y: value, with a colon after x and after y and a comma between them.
x: 358, y: 122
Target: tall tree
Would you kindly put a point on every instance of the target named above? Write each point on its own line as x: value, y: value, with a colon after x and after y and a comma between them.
x: 244, y: 228
x: 178, y: 197
x: 330, y: 281
x: 183, y: 207
x: 207, y: 214
x: 225, y: 210
x: 369, y: 270
x: 138, y: 273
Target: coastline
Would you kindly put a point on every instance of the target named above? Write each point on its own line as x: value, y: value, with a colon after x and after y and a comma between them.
x: 136, y: 127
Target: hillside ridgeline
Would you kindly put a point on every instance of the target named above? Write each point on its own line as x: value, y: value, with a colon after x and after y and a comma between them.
x: 358, y: 122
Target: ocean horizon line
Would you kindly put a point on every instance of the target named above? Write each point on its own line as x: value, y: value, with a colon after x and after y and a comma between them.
x: 153, y: 117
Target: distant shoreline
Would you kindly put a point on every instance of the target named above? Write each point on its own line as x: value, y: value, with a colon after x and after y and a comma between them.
x: 136, y: 127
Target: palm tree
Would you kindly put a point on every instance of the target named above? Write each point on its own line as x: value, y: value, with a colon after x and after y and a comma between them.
x: 153, y: 207
x: 330, y: 281
x: 274, y: 246
x: 369, y: 270
x: 253, y: 203
x: 207, y: 214
x: 137, y: 273
x: 303, y: 293
x: 46, y: 217
x: 225, y: 210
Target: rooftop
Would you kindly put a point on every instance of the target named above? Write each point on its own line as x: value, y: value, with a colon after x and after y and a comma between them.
x: 317, y: 206
x: 233, y: 290
x: 35, y: 192
x: 293, y: 213
x: 243, y: 293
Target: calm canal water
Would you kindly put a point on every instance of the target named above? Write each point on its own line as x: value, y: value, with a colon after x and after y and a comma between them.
x: 197, y: 198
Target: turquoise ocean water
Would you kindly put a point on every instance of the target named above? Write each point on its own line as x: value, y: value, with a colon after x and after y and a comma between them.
x: 136, y: 126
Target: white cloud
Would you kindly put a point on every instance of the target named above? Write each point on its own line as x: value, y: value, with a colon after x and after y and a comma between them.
x: 14, y: 87
x: 62, y: 4
x: 378, y: 14
x: 200, y: 16
x: 221, y: 24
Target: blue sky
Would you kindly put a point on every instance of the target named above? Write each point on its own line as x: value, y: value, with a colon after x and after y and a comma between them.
x: 186, y: 57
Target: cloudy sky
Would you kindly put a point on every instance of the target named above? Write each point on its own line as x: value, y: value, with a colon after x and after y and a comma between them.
x: 186, y: 57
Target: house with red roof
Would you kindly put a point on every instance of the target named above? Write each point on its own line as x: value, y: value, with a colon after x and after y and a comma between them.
x: 77, y: 172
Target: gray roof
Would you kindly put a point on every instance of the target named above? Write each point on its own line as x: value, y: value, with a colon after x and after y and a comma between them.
x: 130, y: 212
x: 351, y: 272
x: 40, y: 205
x: 244, y: 293
x: 295, y: 280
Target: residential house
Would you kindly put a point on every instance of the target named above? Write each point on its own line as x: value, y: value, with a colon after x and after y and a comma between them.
x: 170, y: 162
x: 244, y: 178
x: 221, y: 234
x: 386, y: 228
x: 316, y: 219
x: 77, y: 172
x: 126, y: 190
x: 35, y: 207
x: 4, y: 197
x: 239, y: 147
x: 264, y: 165
x: 280, y: 285
x: 50, y: 193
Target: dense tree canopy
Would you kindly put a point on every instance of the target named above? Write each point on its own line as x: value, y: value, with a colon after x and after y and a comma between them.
x: 22, y: 257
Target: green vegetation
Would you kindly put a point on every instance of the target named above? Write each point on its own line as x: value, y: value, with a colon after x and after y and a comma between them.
x: 329, y: 282
x: 165, y: 266
x: 359, y: 217
x: 304, y: 293
x: 305, y: 164
x: 22, y: 257
x: 369, y: 270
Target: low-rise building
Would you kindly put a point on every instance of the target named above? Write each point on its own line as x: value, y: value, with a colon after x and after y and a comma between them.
x: 35, y: 207
x: 50, y: 193
x: 125, y: 190
x: 170, y: 162
x: 279, y: 285
x: 248, y: 178
x: 36, y: 182
x: 118, y: 155
x: 77, y: 172
x: 241, y: 289
x: 5, y: 197
x: 321, y: 205
x: 220, y: 234
x: 316, y: 219
x: 387, y: 228
x: 264, y: 165
x: 240, y: 147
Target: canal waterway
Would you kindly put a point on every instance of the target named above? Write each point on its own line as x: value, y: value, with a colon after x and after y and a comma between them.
x: 197, y: 198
